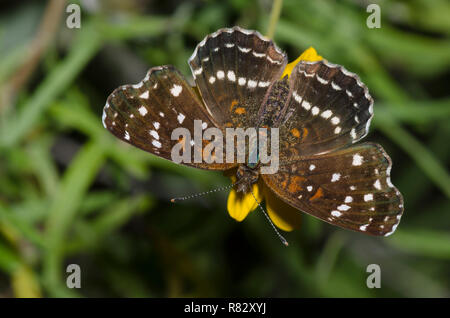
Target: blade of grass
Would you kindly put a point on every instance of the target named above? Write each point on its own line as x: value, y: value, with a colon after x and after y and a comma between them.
x: 423, y: 242
x: 9, y: 260
x: 85, y: 47
x: 74, y: 185
x: 417, y: 112
x: 27, y: 230
x: 274, y: 16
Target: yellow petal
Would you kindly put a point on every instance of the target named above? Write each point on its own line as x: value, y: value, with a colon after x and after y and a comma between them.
x: 240, y: 205
x: 310, y: 55
x: 284, y: 216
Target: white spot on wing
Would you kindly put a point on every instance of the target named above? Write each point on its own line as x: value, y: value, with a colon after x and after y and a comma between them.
x: 336, y: 213
x: 315, y: 110
x: 176, y: 90
x: 252, y: 83
x: 258, y: 54
x: 335, y: 177
x: 181, y: 118
x: 377, y: 185
x: 321, y: 80
x: 306, y: 105
x: 244, y: 49
x: 156, y: 143
x: 363, y: 227
x: 335, y: 120
x: 231, y: 76
x: 357, y: 159
x: 272, y: 60
x: 297, y: 97
x: 103, y: 119
x: 144, y: 95
x: 154, y: 134
x: 142, y: 110
x: 326, y: 114
x: 335, y: 86
x: 220, y: 75
x: 198, y: 71
x: 343, y: 207
x: 368, y: 197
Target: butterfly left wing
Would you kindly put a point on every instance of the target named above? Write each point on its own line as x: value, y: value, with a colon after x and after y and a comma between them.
x: 145, y: 115
x: 350, y: 188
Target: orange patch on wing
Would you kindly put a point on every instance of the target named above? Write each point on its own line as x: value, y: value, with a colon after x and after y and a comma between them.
x: 233, y: 103
x: 318, y: 194
x: 305, y: 133
x: 294, y: 185
x: 295, y: 132
x: 240, y: 110
x: 229, y: 125
x: 182, y: 139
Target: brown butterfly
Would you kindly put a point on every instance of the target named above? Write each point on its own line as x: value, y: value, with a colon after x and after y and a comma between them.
x: 321, y: 110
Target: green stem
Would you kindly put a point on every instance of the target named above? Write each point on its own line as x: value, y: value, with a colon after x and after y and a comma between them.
x: 274, y: 16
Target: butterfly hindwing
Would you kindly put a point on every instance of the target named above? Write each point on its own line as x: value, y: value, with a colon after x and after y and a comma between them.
x: 233, y: 69
x: 350, y: 188
x: 328, y: 108
x: 146, y: 114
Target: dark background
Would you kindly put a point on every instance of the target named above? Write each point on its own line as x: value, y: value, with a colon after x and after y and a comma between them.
x: 72, y: 193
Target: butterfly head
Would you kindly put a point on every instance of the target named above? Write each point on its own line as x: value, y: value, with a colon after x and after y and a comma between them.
x: 246, y: 176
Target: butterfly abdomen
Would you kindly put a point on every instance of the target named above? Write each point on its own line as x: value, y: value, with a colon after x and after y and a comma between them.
x: 271, y: 110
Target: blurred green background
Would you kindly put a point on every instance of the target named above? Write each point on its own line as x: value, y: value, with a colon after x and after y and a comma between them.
x: 70, y: 193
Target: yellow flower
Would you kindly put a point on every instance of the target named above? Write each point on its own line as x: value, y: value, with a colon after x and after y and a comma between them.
x: 282, y: 214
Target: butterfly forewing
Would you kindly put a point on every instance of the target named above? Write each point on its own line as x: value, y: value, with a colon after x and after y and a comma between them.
x: 329, y: 108
x: 146, y: 114
x: 350, y: 188
x: 233, y: 69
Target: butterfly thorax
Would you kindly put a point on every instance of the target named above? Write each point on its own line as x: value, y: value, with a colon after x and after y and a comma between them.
x: 269, y: 116
x: 245, y: 178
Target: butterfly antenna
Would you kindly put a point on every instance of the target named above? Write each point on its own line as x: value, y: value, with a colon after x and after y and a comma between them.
x: 201, y: 193
x: 282, y: 239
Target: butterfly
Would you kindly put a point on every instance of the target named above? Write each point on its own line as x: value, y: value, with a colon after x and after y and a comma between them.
x: 321, y: 110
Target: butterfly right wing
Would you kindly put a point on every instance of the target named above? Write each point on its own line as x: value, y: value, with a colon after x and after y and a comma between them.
x: 233, y: 70
x: 328, y: 108
x: 350, y: 188
x: 146, y: 114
